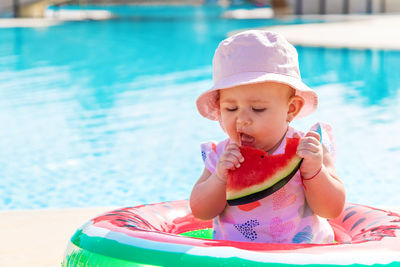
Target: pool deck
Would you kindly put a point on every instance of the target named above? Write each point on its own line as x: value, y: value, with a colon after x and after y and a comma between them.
x: 360, y: 32
x: 54, y: 18
x: 39, y: 237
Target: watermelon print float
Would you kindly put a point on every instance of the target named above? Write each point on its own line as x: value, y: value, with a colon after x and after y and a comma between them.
x: 167, y: 234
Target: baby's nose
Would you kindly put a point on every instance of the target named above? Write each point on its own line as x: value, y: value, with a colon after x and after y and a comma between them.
x: 243, y: 119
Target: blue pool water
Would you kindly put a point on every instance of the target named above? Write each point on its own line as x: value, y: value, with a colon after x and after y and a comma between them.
x: 103, y: 113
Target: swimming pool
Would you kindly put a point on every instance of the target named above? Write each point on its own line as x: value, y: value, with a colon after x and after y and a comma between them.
x: 103, y: 114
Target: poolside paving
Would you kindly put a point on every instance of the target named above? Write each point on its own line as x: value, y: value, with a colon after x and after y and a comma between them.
x: 39, y: 237
x: 28, y: 23
x: 57, y: 17
x: 364, y: 32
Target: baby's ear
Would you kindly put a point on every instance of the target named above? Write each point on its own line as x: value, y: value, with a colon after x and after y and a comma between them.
x: 296, y: 103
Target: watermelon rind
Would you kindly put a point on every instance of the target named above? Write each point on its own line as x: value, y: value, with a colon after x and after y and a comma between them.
x: 268, y: 187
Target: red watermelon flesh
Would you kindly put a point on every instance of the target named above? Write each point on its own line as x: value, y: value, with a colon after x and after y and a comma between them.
x: 261, y: 174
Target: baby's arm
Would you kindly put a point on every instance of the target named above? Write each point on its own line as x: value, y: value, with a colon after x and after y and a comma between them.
x: 324, y: 190
x: 208, y: 198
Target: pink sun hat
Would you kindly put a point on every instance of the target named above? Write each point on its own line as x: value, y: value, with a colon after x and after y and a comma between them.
x: 255, y: 56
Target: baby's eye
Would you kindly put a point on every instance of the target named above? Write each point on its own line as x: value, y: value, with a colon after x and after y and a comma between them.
x: 231, y: 109
x: 259, y: 109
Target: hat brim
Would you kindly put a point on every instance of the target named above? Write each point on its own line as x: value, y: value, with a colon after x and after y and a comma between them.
x: 207, y: 102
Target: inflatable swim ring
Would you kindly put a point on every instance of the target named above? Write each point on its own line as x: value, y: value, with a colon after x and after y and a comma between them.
x: 167, y: 234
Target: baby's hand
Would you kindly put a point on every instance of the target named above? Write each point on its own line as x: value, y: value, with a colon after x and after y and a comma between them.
x: 310, y: 149
x: 229, y: 160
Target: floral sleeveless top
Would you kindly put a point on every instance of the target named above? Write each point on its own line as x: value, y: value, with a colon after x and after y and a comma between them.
x: 282, y: 217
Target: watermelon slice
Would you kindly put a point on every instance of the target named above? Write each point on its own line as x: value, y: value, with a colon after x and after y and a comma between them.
x: 261, y: 174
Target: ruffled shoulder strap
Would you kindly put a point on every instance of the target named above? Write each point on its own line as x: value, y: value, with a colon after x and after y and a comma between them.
x: 327, y: 137
x: 211, y: 151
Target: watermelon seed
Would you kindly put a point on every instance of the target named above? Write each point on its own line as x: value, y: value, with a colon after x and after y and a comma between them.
x: 262, y: 157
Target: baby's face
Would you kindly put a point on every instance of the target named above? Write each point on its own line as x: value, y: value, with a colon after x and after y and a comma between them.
x: 257, y: 114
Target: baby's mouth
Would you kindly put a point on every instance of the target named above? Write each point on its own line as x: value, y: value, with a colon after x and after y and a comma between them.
x: 246, y: 140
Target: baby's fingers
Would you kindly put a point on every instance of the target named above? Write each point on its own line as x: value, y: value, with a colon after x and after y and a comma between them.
x: 309, y: 147
x: 303, y: 153
x: 234, y: 151
x: 313, y: 134
x: 232, y: 157
x: 229, y: 165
